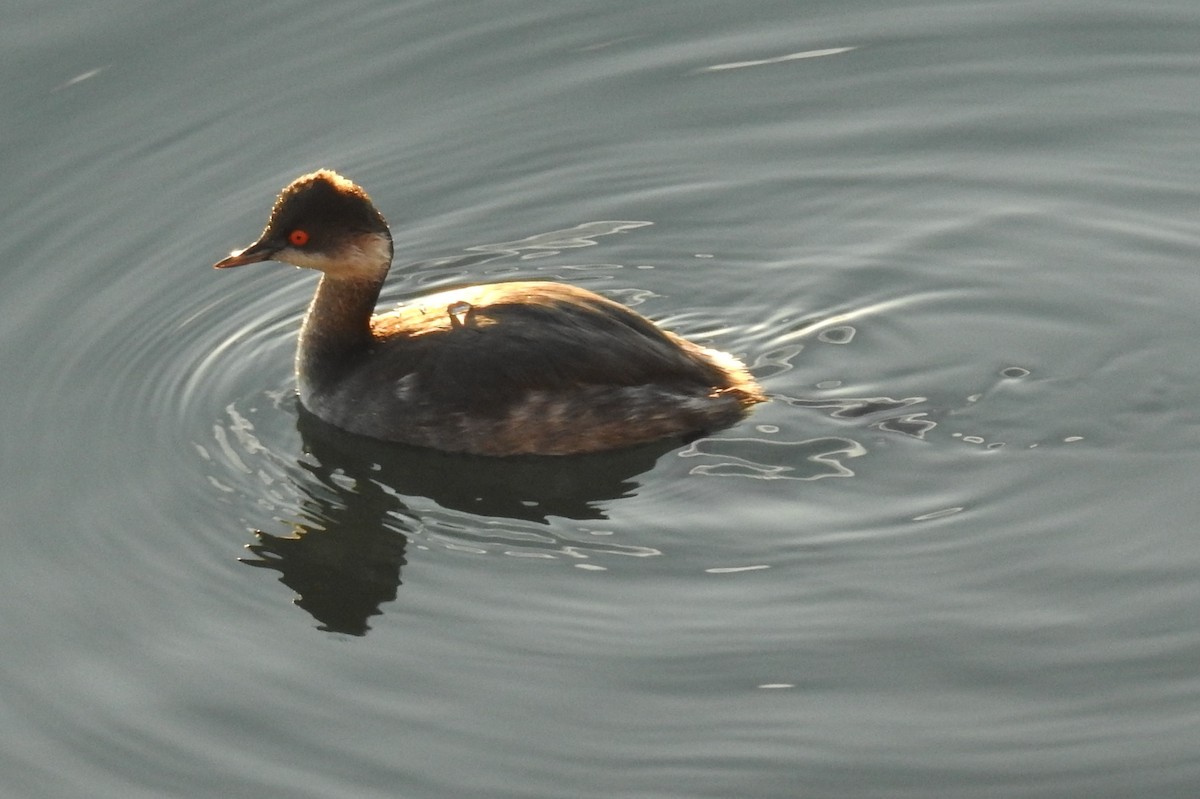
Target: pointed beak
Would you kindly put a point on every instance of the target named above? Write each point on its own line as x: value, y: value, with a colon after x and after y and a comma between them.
x: 260, y: 250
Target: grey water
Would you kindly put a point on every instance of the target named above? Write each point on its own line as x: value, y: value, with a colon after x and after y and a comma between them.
x: 955, y: 555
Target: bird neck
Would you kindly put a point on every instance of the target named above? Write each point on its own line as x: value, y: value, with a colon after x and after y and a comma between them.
x: 337, y: 327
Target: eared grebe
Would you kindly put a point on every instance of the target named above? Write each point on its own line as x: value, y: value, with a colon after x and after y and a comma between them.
x: 502, y: 369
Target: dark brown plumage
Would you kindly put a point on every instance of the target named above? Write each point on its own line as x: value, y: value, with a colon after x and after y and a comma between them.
x: 500, y: 369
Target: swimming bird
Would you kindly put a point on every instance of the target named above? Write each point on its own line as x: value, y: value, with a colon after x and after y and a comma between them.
x: 512, y: 368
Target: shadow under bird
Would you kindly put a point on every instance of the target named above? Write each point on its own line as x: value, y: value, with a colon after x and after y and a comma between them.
x: 522, y: 367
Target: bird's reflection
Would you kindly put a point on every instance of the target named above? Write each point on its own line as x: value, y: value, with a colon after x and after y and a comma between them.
x: 344, y: 555
x: 342, y: 566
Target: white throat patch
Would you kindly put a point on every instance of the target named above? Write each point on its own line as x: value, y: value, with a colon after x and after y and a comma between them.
x: 368, y: 255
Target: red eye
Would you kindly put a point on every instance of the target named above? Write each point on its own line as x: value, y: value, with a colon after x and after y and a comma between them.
x: 298, y: 237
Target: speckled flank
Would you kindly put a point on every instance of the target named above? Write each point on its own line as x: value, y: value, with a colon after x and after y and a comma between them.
x: 598, y: 418
x: 587, y: 419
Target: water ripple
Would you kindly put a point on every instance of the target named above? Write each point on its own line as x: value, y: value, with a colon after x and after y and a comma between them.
x: 778, y: 59
x: 813, y: 459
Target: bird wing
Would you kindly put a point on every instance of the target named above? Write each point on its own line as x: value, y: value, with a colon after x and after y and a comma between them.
x: 478, y: 349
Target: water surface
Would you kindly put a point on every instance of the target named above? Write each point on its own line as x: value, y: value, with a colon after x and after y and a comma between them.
x: 953, y: 556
